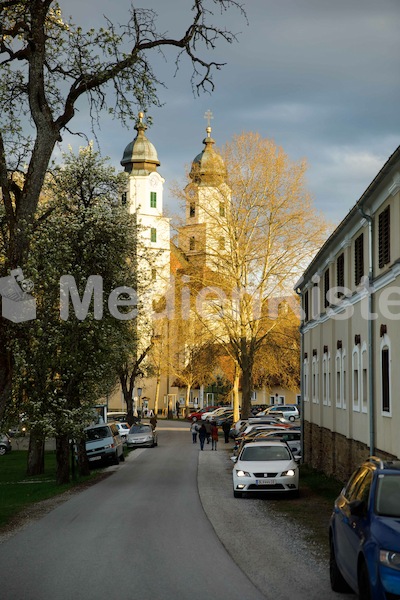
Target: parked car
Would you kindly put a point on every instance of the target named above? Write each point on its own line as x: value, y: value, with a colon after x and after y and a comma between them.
x: 104, y: 444
x: 364, y: 532
x: 5, y: 444
x: 198, y: 413
x: 142, y: 435
x: 291, y: 437
x: 290, y: 411
x: 265, y: 467
x: 221, y: 410
x: 123, y: 429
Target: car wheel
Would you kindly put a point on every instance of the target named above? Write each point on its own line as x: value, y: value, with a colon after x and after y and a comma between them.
x: 338, y: 582
x: 364, y: 586
x: 237, y: 494
x: 291, y: 418
x: 3, y: 450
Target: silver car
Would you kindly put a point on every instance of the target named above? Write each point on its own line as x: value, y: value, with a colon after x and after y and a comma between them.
x: 5, y: 444
x: 141, y: 436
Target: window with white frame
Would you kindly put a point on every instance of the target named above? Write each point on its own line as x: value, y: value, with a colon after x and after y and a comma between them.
x: 298, y: 399
x: 305, y: 380
x: 386, y: 375
x: 315, y: 380
x: 340, y: 372
x: 364, y: 396
x: 326, y: 379
x: 356, y: 380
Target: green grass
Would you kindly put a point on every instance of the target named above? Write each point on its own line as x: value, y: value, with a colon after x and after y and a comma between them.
x: 18, y: 490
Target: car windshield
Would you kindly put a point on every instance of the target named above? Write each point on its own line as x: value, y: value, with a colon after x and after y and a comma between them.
x: 388, y: 496
x: 97, y: 434
x: 140, y: 429
x: 264, y: 453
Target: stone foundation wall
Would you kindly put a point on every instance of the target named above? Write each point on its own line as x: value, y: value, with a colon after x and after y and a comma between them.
x: 333, y: 453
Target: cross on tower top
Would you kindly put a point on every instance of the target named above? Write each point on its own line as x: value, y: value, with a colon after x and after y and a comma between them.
x: 208, y: 115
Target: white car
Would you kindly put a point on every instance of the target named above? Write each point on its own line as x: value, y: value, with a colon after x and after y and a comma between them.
x: 265, y: 467
x: 141, y: 436
x: 290, y: 411
x: 216, y: 413
x: 123, y: 429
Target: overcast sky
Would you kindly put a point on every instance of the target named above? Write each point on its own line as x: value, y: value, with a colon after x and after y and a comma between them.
x: 319, y: 77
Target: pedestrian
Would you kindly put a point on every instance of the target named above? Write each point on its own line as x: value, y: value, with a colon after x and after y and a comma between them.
x: 194, y: 428
x: 153, y: 422
x: 177, y: 407
x: 226, y: 427
x: 207, y: 425
x: 214, y: 436
x: 202, y: 436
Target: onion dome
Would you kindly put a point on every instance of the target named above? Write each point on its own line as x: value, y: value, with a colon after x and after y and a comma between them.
x: 208, y: 168
x: 140, y: 156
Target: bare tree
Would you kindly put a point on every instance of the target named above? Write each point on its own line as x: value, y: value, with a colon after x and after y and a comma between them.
x: 261, y: 229
x: 47, y: 65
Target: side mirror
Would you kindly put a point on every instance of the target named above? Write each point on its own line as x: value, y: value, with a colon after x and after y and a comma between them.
x: 234, y: 458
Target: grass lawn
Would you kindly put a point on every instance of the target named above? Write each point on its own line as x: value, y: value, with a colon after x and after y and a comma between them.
x: 17, y: 490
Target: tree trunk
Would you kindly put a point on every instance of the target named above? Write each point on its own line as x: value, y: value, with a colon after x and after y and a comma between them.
x: 62, y: 454
x: 247, y: 360
x: 187, y: 398
x: 235, y: 395
x: 5, y: 372
x: 35, y: 455
x: 83, y: 462
x: 157, y: 396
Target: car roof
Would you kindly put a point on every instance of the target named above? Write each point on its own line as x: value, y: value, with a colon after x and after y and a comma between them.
x: 270, y: 443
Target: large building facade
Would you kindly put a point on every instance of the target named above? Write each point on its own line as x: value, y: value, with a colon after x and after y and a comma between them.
x: 351, y: 334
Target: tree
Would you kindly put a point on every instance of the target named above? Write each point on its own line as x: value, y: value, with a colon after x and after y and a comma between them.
x: 262, y: 230
x: 47, y: 66
x: 64, y: 361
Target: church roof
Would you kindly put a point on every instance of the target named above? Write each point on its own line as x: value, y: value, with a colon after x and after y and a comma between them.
x: 208, y: 167
x: 140, y: 155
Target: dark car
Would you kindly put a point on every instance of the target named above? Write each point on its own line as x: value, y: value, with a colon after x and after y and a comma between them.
x: 364, y: 533
x: 5, y: 444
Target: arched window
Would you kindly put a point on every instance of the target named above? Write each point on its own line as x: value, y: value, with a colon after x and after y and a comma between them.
x: 356, y: 380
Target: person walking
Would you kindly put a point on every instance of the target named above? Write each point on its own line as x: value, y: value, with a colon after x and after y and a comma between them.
x: 214, y: 436
x: 202, y: 436
x: 226, y: 427
x: 207, y: 425
x: 194, y: 428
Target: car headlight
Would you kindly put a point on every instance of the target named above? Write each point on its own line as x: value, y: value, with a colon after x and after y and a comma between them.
x: 289, y: 473
x: 241, y: 473
x: 390, y: 559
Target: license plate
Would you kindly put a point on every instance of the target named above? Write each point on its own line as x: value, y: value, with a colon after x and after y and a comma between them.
x: 265, y: 481
x: 95, y: 458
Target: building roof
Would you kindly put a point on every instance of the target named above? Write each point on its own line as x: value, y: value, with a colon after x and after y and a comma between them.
x: 140, y: 155
x: 353, y: 214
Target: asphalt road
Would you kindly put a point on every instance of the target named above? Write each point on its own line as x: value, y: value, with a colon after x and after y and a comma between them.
x: 163, y: 526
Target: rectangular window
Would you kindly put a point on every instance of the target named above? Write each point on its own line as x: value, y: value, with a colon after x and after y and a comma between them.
x: 340, y: 272
x: 124, y: 198
x: 221, y: 209
x: 192, y: 243
x: 154, y: 274
x: 221, y: 243
x: 385, y: 381
x: 384, y: 238
x: 358, y: 259
x: 153, y: 199
x: 192, y: 209
x: 326, y: 288
x: 153, y: 234
x: 306, y: 307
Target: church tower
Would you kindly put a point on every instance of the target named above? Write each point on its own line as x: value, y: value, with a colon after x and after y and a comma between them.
x: 203, y: 237
x: 144, y: 197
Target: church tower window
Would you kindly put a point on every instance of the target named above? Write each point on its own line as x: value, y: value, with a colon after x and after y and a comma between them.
x: 153, y: 199
x: 192, y: 209
x: 153, y: 234
x: 221, y: 209
x: 192, y: 243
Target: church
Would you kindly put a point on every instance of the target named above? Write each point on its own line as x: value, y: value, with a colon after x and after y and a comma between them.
x: 175, y: 273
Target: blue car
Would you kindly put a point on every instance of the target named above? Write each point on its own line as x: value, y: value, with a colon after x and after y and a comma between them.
x: 364, y: 533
